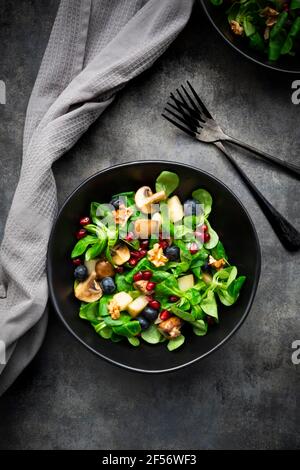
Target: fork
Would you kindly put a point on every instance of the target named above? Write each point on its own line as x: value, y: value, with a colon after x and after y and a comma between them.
x: 193, y: 117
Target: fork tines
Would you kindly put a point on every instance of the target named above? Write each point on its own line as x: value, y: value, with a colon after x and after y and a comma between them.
x: 190, y: 110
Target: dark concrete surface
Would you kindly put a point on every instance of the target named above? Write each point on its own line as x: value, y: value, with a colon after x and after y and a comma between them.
x: 246, y: 395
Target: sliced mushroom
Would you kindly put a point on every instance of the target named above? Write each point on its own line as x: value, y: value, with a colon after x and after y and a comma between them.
x: 144, y: 198
x: 89, y: 290
x: 145, y: 227
x: 171, y: 327
x: 103, y: 269
x: 121, y: 255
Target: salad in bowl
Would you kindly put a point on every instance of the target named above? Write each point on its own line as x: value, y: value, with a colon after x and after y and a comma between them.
x: 149, y: 266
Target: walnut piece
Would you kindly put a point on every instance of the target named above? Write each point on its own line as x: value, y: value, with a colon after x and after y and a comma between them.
x: 236, y: 28
x: 114, y: 309
x: 156, y: 256
x: 268, y: 11
x: 122, y: 214
x: 271, y: 17
x: 217, y: 264
x: 171, y: 327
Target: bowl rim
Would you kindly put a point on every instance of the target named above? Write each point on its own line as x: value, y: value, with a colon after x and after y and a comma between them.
x: 245, y: 54
x: 103, y: 356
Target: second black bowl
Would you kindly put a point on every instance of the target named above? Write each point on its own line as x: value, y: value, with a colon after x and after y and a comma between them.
x: 229, y: 218
x: 217, y: 16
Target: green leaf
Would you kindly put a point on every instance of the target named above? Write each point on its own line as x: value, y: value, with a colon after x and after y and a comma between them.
x: 198, y: 313
x: 175, y: 343
x: 82, y: 245
x: 279, y: 25
x: 193, y: 296
x: 295, y: 4
x: 229, y: 296
x: 227, y: 275
x: 186, y: 316
x: 133, y: 340
x: 209, y: 305
x: 203, y: 196
x: 214, y: 238
x: 103, y: 330
x: 292, y: 35
x: 103, y: 311
x: 159, y: 275
x: 257, y: 42
x: 122, y: 284
x: 95, y: 250
x: 151, y: 335
x: 89, y: 311
x: 216, y: 2
x: 115, y: 338
x: 168, y: 287
x: 219, y: 252
x: 199, y: 258
x: 128, y: 329
x: 249, y: 27
x: 167, y: 182
x: 200, y: 328
x: 124, y: 319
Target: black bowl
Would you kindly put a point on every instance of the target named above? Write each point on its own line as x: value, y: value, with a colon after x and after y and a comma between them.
x: 228, y: 217
x: 218, y: 18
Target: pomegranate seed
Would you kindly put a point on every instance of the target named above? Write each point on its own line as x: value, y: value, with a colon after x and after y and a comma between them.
x: 77, y: 262
x: 144, y: 244
x: 132, y: 261
x: 173, y: 298
x: 204, y: 228
x: 135, y: 254
x: 119, y: 269
x: 81, y: 233
x: 85, y: 221
x: 138, y: 276
x: 210, y: 320
x: 147, y: 275
x: 165, y: 315
x: 150, y: 286
x: 164, y: 244
x: 129, y: 237
x: 149, y: 298
x: 154, y: 304
x: 206, y: 237
x: 193, y: 248
x: 142, y: 253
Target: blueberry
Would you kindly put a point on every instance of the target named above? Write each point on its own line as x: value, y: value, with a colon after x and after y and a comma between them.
x: 108, y: 285
x: 150, y: 313
x: 190, y: 207
x: 143, y: 322
x: 206, y: 267
x: 81, y: 273
x: 172, y: 253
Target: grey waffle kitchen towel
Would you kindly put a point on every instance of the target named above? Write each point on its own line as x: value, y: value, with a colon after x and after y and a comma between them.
x: 95, y: 48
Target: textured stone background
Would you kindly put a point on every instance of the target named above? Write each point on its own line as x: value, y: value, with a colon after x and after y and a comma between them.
x: 243, y: 396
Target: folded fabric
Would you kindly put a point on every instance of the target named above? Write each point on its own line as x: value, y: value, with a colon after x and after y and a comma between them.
x: 95, y: 48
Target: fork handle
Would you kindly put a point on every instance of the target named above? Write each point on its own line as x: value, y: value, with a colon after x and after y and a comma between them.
x: 293, y: 169
x: 287, y: 234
